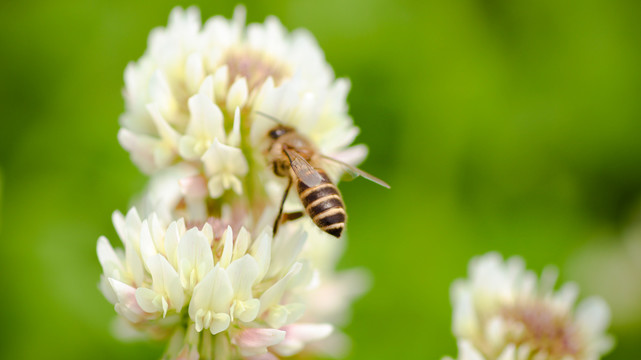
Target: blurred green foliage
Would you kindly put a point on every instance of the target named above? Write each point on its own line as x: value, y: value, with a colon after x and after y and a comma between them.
x: 501, y: 125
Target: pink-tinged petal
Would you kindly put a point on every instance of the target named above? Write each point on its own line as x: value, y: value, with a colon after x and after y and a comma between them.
x: 297, y: 335
x: 193, y: 186
x: 127, y: 305
x: 255, y: 341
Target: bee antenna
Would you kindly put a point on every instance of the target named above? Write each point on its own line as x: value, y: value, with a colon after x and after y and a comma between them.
x: 272, y: 118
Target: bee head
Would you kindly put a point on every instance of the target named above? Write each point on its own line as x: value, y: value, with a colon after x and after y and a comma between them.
x: 279, y: 131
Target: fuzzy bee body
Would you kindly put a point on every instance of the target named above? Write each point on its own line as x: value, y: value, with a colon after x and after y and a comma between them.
x: 324, y: 204
x: 292, y: 155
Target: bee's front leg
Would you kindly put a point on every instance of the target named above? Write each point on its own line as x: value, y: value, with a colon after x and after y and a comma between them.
x: 277, y: 221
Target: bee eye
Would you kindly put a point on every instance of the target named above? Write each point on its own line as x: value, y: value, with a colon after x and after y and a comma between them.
x: 276, y: 133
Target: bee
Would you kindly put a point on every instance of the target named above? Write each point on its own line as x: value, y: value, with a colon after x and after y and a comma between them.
x: 293, y: 156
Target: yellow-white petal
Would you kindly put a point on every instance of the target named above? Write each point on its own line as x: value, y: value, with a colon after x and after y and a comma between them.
x: 237, y: 95
x: 195, y: 259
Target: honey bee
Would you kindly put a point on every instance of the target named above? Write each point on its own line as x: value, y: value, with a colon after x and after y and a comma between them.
x: 293, y: 156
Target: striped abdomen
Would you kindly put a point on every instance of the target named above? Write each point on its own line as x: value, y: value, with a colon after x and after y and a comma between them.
x: 323, y: 203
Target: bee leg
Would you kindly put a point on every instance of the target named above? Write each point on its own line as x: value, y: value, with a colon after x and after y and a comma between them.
x: 292, y: 216
x: 282, y: 204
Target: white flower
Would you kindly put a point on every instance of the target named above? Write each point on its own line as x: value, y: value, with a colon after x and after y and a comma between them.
x: 504, y: 312
x: 224, y: 165
x: 193, y: 96
x: 218, y: 282
x: 200, y: 265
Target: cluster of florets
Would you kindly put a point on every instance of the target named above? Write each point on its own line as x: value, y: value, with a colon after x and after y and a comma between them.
x: 201, y: 267
x: 502, y: 311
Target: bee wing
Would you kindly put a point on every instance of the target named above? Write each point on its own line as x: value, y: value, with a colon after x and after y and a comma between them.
x: 303, y: 170
x: 356, y: 172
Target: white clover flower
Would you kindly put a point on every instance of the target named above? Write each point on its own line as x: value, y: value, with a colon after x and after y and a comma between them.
x: 193, y: 96
x: 194, y: 284
x: 215, y: 282
x: 502, y: 311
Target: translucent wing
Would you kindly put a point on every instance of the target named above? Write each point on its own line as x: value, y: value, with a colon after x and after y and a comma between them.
x: 355, y: 172
x: 303, y: 170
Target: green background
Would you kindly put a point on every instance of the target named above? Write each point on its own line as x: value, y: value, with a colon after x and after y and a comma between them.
x: 501, y: 125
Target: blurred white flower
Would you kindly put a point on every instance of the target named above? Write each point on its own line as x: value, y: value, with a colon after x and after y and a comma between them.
x: 171, y: 279
x: 193, y: 96
x: 502, y: 311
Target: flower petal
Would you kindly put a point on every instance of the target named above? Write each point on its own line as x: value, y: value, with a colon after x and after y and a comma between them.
x: 241, y: 245
x: 228, y: 247
x: 256, y: 341
x: 242, y: 274
x: 273, y: 295
x: 237, y: 95
x: 195, y: 258
x: 111, y: 264
x: 261, y: 251
x: 194, y: 71
x: 297, y: 335
x: 221, y: 78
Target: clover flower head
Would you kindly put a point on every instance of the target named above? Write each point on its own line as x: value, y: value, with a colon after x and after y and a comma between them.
x: 502, y: 311
x: 170, y: 279
x: 200, y: 267
x: 194, y: 97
